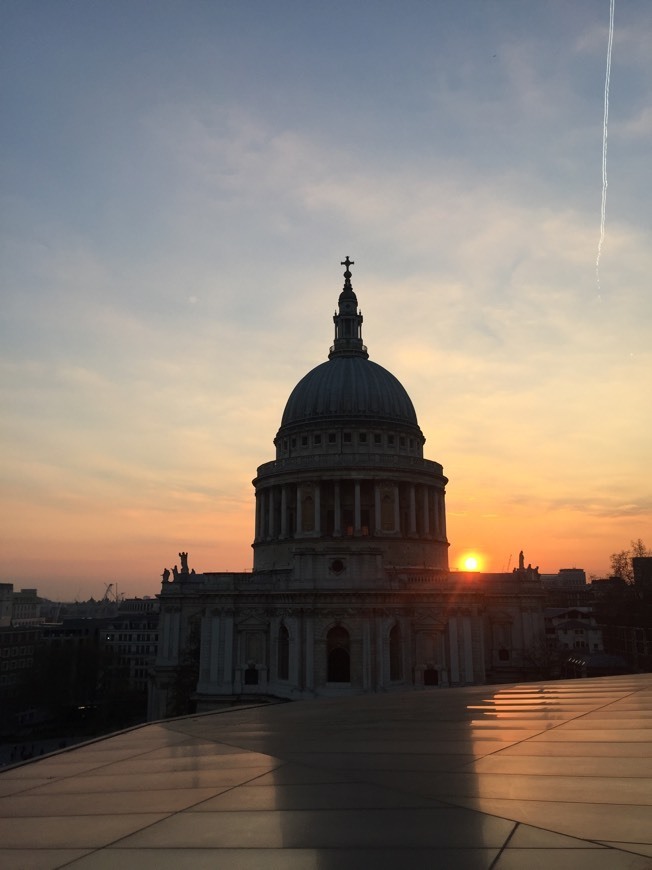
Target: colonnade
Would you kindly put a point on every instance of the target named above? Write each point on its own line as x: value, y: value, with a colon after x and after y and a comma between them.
x: 355, y: 507
x: 381, y: 651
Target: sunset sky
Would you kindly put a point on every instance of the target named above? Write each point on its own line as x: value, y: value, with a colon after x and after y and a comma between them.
x: 180, y: 181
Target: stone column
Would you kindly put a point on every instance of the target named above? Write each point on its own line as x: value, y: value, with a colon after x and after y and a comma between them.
x: 309, y: 656
x: 413, y: 511
x: 442, y: 514
x: 366, y: 656
x: 444, y: 673
x: 468, y: 649
x: 263, y: 515
x: 481, y: 664
x: 175, y: 621
x: 454, y: 651
x: 318, y: 508
x: 227, y: 622
x: 380, y: 653
x: 284, y: 511
x: 257, y: 522
x: 164, y: 637
x: 272, y: 667
x: 337, y: 522
x: 299, y: 516
x: 397, y: 515
x: 437, y: 517
x: 293, y: 625
x: 357, y: 524
x: 526, y: 629
x: 270, y: 513
x: 377, y: 523
x: 215, y: 649
x: 205, y: 649
x: 426, y: 513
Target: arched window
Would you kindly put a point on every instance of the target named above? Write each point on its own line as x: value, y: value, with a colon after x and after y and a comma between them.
x: 339, y: 658
x: 283, y: 653
x: 395, y: 654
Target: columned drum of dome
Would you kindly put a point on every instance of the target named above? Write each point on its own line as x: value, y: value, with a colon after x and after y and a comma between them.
x: 349, y: 478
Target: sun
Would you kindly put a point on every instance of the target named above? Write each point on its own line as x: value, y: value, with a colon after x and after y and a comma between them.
x: 470, y: 562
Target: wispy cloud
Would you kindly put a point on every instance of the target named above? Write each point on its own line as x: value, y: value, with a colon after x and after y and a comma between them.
x: 170, y: 269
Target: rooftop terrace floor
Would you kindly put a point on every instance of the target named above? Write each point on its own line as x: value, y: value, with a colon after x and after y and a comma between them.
x: 536, y: 775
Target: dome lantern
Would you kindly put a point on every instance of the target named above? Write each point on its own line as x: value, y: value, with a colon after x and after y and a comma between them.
x: 348, y: 321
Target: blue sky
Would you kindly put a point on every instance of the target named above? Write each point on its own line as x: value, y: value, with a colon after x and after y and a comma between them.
x: 180, y: 182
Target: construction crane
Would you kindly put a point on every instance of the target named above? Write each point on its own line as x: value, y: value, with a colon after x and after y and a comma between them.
x: 108, y: 587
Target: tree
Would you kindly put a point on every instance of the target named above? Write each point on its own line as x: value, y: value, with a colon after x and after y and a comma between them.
x: 621, y: 563
x: 639, y: 548
x: 546, y: 658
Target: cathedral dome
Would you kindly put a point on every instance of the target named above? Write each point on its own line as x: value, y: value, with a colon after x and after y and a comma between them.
x: 349, y: 389
x: 349, y: 386
x: 349, y: 472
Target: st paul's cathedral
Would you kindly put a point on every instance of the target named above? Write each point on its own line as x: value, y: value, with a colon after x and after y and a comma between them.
x: 350, y: 590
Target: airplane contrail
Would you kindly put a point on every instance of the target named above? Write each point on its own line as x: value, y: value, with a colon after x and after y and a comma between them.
x: 603, y: 208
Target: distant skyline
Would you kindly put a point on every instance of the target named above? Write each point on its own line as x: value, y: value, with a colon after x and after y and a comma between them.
x: 180, y: 182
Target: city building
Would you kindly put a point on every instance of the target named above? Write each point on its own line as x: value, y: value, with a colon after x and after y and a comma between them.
x: 19, y: 608
x: 131, y: 639
x: 573, y: 629
x: 565, y: 578
x: 6, y: 604
x: 642, y: 569
x: 568, y: 588
x: 17, y: 648
x: 26, y: 608
x: 351, y: 590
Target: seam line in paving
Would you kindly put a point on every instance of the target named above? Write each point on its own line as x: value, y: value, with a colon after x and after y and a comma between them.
x: 505, y: 845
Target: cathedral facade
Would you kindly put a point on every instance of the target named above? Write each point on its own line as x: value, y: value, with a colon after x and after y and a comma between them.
x: 351, y: 590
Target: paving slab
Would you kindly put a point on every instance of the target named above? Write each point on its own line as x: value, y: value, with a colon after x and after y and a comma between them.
x: 538, y: 775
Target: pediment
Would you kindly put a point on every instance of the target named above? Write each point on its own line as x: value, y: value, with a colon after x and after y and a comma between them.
x: 430, y: 622
x: 253, y: 623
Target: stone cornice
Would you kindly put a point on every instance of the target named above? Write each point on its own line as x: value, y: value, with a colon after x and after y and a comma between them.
x: 372, y: 464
